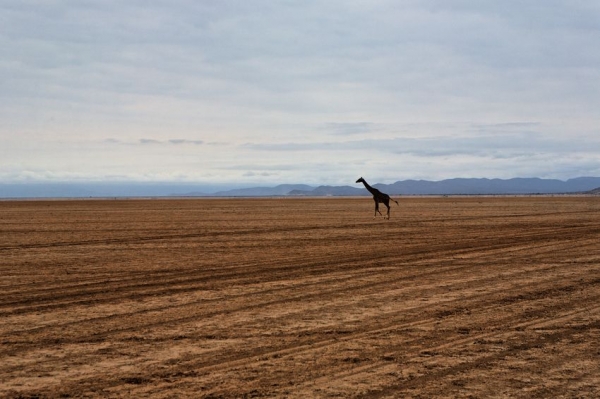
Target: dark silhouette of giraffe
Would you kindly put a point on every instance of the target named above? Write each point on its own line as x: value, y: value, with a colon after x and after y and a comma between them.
x: 378, y: 197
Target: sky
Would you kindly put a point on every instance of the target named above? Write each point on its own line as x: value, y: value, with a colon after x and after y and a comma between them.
x: 316, y: 92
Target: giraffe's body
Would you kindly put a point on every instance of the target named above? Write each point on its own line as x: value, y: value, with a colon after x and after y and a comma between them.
x: 378, y: 197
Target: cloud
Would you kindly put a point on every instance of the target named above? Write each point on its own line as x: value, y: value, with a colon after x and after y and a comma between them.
x: 183, y: 141
x: 255, y: 174
x: 263, y: 166
x: 503, y: 127
x: 501, y: 146
x: 367, y: 83
x: 349, y: 128
x: 149, y: 141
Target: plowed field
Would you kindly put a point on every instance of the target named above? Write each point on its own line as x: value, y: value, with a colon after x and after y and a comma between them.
x: 452, y: 297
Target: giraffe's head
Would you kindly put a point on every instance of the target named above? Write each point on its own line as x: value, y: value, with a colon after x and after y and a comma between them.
x: 360, y: 180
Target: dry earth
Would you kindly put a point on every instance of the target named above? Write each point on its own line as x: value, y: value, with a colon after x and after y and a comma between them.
x: 453, y: 297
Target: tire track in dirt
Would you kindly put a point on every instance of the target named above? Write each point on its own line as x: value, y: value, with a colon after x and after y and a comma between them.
x: 305, y: 296
x: 485, y: 359
x: 454, y: 343
x: 425, y: 322
x: 216, y: 235
x: 520, y: 296
x: 387, y: 281
x: 318, y: 344
x: 192, y: 277
x: 464, y: 285
x: 375, y: 327
x: 424, y: 307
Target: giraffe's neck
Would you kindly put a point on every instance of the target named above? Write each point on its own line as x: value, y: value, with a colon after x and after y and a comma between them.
x: 371, y: 189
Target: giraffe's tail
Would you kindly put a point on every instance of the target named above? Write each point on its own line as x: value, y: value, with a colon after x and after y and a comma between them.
x: 395, y: 201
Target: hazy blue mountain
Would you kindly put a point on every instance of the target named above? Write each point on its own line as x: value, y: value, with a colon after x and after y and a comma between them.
x: 330, y: 191
x: 44, y: 190
x: 282, y: 189
x: 96, y: 189
x: 405, y: 187
x: 465, y: 186
x: 490, y: 186
x: 595, y: 191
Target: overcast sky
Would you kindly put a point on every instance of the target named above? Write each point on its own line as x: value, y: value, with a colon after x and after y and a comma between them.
x: 316, y: 92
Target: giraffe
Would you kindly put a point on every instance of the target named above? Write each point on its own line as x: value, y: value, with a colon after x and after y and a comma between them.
x: 378, y: 197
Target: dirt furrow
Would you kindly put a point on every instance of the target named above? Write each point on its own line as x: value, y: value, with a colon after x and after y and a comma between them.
x: 187, y: 277
x: 453, y: 297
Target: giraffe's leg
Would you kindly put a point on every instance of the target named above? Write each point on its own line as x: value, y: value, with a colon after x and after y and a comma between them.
x: 376, y: 209
x: 386, y: 202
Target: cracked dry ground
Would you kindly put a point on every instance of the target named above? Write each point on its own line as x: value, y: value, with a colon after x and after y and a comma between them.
x: 453, y: 297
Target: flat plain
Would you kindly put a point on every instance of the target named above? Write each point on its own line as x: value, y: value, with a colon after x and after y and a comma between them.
x: 290, y: 297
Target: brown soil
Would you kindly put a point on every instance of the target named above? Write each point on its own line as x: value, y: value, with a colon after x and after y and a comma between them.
x: 453, y: 297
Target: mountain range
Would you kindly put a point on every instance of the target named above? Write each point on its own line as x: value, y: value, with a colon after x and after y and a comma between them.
x: 425, y: 187
x: 406, y: 187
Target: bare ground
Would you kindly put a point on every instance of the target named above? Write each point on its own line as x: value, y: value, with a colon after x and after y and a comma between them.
x: 453, y: 297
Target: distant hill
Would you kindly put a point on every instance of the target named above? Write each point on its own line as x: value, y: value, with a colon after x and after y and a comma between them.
x: 282, y: 189
x: 595, y: 191
x: 405, y: 187
x: 491, y: 186
x: 443, y: 187
x: 331, y: 191
x: 96, y: 189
